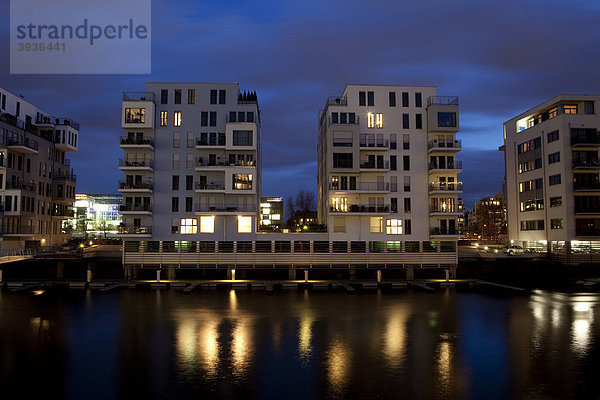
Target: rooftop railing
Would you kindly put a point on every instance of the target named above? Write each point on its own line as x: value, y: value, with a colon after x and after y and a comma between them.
x: 442, y: 101
x: 136, y: 163
x: 64, y: 175
x: 225, y: 207
x: 138, y: 96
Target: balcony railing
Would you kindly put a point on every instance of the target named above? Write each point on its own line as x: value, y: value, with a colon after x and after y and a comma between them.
x: 136, y: 163
x: 135, y: 207
x: 375, y: 165
x: 450, y: 165
x: 19, y: 123
x: 438, y: 144
x: 587, y: 232
x: 450, y: 187
x: 227, y: 207
x: 63, y: 213
x: 361, y: 208
x: 137, y: 185
x: 127, y: 140
x: 586, y: 186
x: 336, y: 101
x: 222, y: 163
x: 138, y: 96
x: 442, y: 209
x: 443, y: 231
x: 20, y: 141
x: 586, y: 163
x: 373, y: 142
x: 210, y: 186
x: 20, y: 185
x: 135, y: 230
x: 588, y: 209
x: 58, y: 175
x: 442, y: 101
x: 588, y: 138
x: 366, y: 186
x: 16, y: 229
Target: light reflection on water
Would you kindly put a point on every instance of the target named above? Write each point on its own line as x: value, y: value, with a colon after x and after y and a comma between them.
x: 310, y: 345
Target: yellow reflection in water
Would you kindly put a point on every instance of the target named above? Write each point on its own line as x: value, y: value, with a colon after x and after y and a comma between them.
x: 232, y: 300
x: 394, y: 338
x: 39, y: 326
x: 186, y: 340
x: 241, y: 346
x: 208, y: 346
x: 305, y: 337
x: 338, y: 359
x: 276, y: 335
x: 582, y: 321
x: 444, y: 362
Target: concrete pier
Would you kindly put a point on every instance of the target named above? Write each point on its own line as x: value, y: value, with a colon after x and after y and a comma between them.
x: 410, y: 273
x: 60, y: 270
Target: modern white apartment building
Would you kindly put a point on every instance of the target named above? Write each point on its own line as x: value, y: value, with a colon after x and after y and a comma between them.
x: 190, y: 165
x: 552, y: 181
x: 388, y: 166
x: 37, y: 184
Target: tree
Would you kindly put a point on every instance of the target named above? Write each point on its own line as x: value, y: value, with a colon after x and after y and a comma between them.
x: 300, y: 208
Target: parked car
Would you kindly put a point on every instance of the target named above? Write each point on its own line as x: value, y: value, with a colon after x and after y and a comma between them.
x: 513, y: 249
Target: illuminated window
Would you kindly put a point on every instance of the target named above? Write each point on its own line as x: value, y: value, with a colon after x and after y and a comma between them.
x: 276, y: 217
x: 374, y: 120
x: 244, y: 224
x: 177, y: 118
x: 376, y: 224
x: 553, y: 112
x: 135, y: 115
x: 188, y: 226
x: 163, y: 118
x: 242, y: 181
x: 393, y: 226
x: 570, y: 109
x: 339, y: 204
x: 207, y: 224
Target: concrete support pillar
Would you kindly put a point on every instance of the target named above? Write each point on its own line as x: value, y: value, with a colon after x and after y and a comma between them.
x: 352, y: 273
x: 135, y: 272
x: 447, y: 271
x: 233, y: 274
x: 410, y: 273
x: 171, y: 273
x: 453, y: 272
x: 292, y: 274
x: 60, y: 270
x: 158, y: 276
x: 89, y: 276
x: 378, y: 276
x: 305, y: 275
x: 229, y: 270
x: 0, y: 276
x: 127, y: 273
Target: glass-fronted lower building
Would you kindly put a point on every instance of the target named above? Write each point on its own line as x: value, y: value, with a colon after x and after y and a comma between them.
x: 96, y: 215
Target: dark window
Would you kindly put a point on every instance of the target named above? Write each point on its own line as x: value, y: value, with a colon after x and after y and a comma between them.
x: 175, y: 182
x: 153, y: 246
x: 191, y: 96
x: 394, y: 204
x: 407, y: 227
x: 429, y: 247
x: 188, y: 204
x: 222, y: 96
x: 250, y: 116
x: 342, y: 160
x: 539, y: 183
x: 175, y: 204
x: 241, y: 116
x: 404, y: 99
x: 411, y: 247
x: 552, y: 136
x: 361, y: 99
x: 407, y: 204
x: 242, y: 138
x: 301, y: 247
x: 376, y: 247
x: 213, y: 118
x: 447, y: 247
x: 189, y: 182
x: 213, y: 97
x: 393, y: 166
x: 588, y: 107
x: 405, y: 121
x: 320, y: 247
x: 164, y: 96
x: 339, y: 247
x: 225, y: 247
x: 283, y: 246
x: 334, y: 118
x: 447, y: 119
x: 177, y: 96
x: 418, y: 100
x: 263, y: 246
x: 358, y: 247
x: 204, y: 118
x: 392, y: 99
x: 537, y: 163
x: 132, y: 247
x: 419, y: 121
x: 244, y: 246
x: 554, y: 157
x: 206, y: 247
x: 406, y: 163
x: 371, y: 99
x: 232, y: 116
x: 554, y: 179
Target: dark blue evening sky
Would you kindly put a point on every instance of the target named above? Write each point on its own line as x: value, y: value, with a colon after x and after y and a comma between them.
x: 500, y: 58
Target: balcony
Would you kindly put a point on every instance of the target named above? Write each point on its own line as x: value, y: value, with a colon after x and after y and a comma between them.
x: 225, y: 208
x: 441, y: 231
x: 442, y: 101
x: 22, y: 145
x: 63, y: 214
x: 138, y: 96
x: 20, y: 185
x: 435, y: 145
x: 202, y: 164
x: 136, y: 209
x: 586, y: 164
x: 64, y: 175
x: 450, y: 166
x: 367, y: 143
x: 128, y: 142
x: 588, y: 139
x: 586, y: 186
x: 136, y: 231
x: 210, y: 187
x: 16, y: 230
x: 361, y: 209
x: 443, y: 210
x: 365, y: 187
x: 336, y: 101
x: 19, y: 123
x: 445, y: 187
x: 139, y: 187
x: 587, y: 231
x: 136, y: 165
x: 587, y: 209
x: 374, y: 166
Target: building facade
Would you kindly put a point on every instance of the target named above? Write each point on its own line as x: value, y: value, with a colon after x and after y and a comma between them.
x: 271, y: 213
x: 191, y: 162
x: 96, y: 216
x: 552, y: 174
x: 388, y: 168
x: 37, y: 183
